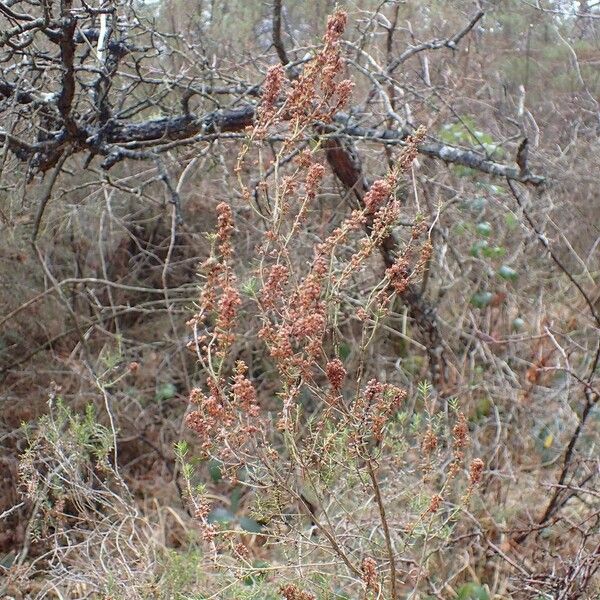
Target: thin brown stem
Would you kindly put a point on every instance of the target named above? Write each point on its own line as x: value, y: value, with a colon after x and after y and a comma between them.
x: 385, y: 527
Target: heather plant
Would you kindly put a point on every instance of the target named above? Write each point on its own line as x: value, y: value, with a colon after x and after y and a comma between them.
x: 359, y: 488
x: 85, y: 530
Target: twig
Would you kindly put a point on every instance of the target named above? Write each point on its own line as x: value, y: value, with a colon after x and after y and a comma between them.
x: 386, y: 529
x: 277, y: 41
x: 12, y: 509
x: 46, y: 195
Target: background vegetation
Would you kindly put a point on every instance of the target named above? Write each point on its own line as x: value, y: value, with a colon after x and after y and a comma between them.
x: 299, y: 307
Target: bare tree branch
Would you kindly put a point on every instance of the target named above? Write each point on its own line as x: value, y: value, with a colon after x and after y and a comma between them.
x: 450, y: 43
x: 277, y: 41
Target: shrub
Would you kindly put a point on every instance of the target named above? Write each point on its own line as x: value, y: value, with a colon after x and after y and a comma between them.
x: 363, y: 485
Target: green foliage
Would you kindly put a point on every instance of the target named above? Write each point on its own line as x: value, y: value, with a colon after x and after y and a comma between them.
x: 180, y: 571
x: 511, y: 221
x: 81, y: 432
x: 518, y: 324
x: 508, y: 273
x: 250, y: 287
x: 165, y: 391
x: 483, y: 408
x: 481, y: 299
x: 214, y: 469
x: 475, y: 205
x: 344, y: 350
x: 486, y: 251
x: 484, y: 229
x: 465, y: 132
x: 472, y: 591
x: 65, y: 452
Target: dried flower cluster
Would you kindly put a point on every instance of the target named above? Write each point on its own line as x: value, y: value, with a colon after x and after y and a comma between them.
x: 475, y: 476
x: 410, y: 150
x: 375, y: 407
x: 336, y: 373
x: 430, y: 442
x: 476, y: 471
x: 316, y: 94
x: 219, y: 294
x: 227, y: 416
x: 369, y: 574
x: 314, y: 176
x: 435, y: 504
x: 293, y: 592
x: 267, y: 110
x: 273, y: 288
x: 297, y: 339
x: 460, y: 440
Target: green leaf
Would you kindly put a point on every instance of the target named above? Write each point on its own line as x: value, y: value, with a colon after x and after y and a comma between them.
x: 453, y: 404
x: 250, y: 287
x: 181, y: 448
x: 165, y: 392
x: 248, y: 524
x: 481, y: 299
x: 483, y: 228
x: 424, y: 388
x: 518, y: 324
x: 188, y: 470
x: 472, y: 591
x: 508, y: 273
x: 511, y: 220
x: 220, y: 515
x: 214, y: 469
x: 483, y: 408
x: 478, y: 247
x: 494, y: 251
x: 475, y: 205
x: 234, y: 500
x: 344, y: 351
